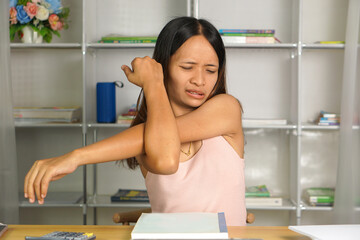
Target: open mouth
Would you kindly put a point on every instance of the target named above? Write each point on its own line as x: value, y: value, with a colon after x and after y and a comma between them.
x: 195, y: 94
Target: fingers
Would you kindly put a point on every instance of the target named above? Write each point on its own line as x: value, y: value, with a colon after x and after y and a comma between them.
x: 29, y: 183
x: 36, y: 183
x: 127, y: 71
x: 26, y: 181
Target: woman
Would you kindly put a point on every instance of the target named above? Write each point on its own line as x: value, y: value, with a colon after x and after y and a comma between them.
x: 187, y: 137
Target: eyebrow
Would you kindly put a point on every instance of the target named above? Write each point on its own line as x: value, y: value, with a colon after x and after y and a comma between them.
x: 209, y: 65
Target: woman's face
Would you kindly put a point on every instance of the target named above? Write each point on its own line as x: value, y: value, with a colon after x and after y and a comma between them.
x: 193, y: 73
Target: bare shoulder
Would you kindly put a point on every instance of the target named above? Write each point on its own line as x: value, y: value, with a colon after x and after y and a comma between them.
x: 231, y: 108
x: 225, y: 102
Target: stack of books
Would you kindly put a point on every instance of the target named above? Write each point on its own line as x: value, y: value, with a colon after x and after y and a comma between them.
x: 47, y: 114
x: 231, y: 36
x: 128, y: 117
x: 260, y: 196
x: 328, y: 118
x: 115, y: 38
x: 320, y: 196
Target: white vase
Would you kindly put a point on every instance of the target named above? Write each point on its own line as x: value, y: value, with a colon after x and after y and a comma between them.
x: 31, y: 36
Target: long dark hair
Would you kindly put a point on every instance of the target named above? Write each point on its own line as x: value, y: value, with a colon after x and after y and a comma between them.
x: 171, y: 38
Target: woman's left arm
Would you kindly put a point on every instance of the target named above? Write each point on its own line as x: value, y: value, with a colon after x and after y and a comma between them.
x: 219, y: 116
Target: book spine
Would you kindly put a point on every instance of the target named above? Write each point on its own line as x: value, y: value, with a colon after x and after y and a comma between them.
x: 328, y: 123
x: 127, y: 41
x: 243, y: 39
x: 321, y: 199
x: 249, y: 34
x: 272, y: 31
x: 329, y: 119
x: 257, y: 194
x: 127, y: 199
x: 129, y: 38
x: 260, y: 40
x: 222, y: 222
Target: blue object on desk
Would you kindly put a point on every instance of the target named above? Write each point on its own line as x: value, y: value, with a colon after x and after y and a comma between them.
x: 106, y: 101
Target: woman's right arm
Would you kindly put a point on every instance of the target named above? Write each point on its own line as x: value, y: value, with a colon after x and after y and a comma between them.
x: 158, y: 138
x: 123, y: 145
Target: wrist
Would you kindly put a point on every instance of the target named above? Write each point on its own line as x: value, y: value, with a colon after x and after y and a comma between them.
x: 78, y: 157
x: 151, y: 86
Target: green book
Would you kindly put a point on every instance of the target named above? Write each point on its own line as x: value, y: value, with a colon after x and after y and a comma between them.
x: 318, y: 196
x: 257, y: 191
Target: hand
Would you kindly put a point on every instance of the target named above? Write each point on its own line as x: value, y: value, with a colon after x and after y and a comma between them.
x: 43, y: 171
x: 145, y: 71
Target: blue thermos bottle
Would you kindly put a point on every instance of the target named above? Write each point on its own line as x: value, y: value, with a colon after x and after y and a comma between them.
x: 106, y: 101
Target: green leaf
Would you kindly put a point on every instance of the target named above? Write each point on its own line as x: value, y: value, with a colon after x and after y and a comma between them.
x: 56, y: 33
x: 23, y: 2
x: 47, y: 37
x: 13, y: 30
x: 44, y: 31
x: 64, y: 13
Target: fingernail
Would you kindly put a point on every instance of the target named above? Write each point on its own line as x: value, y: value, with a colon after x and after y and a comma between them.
x: 26, y: 195
x: 42, y: 195
x: 31, y: 200
x: 41, y: 201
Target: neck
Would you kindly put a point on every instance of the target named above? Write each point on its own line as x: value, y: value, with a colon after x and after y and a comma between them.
x: 179, y: 111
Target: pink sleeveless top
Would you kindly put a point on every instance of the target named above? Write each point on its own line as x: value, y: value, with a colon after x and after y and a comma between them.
x: 211, y: 181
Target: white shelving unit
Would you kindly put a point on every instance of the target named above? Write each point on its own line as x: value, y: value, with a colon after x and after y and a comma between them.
x: 292, y: 80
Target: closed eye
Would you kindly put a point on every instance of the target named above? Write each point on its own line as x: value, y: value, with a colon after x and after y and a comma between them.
x: 186, y: 68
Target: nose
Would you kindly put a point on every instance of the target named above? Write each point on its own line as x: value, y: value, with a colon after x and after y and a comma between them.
x: 198, y: 78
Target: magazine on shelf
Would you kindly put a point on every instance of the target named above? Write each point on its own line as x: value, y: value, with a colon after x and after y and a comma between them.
x: 263, y: 201
x: 47, y: 114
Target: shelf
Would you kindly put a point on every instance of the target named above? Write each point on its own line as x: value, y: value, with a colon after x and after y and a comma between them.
x: 287, y: 205
x: 269, y: 126
x: 245, y: 126
x: 262, y: 45
x: 45, y: 45
x: 313, y: 126
x: 48, y: 125
x: 120, y: 45
x: 55, y: 199
x: 107, y: 125
x: 228, y: 45
x: 322, y: 46
x: 307, y: 207
x: 105, y: 201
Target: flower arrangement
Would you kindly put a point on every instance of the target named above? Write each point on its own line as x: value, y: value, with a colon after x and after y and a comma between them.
x: 46, y: 17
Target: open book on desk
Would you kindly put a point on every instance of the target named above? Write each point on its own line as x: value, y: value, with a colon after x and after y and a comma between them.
x: 180, y: 226
x: 329, y: 232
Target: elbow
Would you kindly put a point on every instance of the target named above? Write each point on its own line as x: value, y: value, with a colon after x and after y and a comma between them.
x: 164, y: 165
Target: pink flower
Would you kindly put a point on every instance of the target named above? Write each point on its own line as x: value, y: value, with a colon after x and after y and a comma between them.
x: 55, y: 22
x: 13, y: 13
x: 31, y: 9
